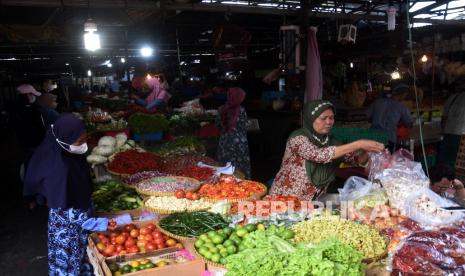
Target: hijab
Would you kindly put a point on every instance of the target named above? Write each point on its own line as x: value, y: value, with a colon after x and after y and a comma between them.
x: 318, y: 174
x: 59, y: 176
x: 230, y: 111
x: 157, y: 93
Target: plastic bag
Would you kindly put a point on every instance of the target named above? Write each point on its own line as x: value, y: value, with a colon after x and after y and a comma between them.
x: 354, y: 187
x: 424, y: 205
x: 376, y: 196
x: 384, y: 160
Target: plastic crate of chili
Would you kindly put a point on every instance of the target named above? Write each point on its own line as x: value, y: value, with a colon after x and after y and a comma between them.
x: 348, y: 135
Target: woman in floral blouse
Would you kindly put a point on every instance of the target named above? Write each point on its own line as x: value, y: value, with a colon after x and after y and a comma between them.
x: 312, y: 156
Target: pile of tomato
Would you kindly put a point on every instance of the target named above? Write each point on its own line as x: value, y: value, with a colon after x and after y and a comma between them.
x: 134, y: 240
x: 230, y: 188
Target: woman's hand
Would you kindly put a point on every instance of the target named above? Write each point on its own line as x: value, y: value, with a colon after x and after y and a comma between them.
x: 370, y: 146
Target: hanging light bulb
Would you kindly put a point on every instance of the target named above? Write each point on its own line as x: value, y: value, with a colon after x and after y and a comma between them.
x: 395, y: 75
x: 91, y: 37
x: 146, y: 51
x: 89, y: 73
x: 351, y: 65
x: 123, y: 60
x: 424, y: 58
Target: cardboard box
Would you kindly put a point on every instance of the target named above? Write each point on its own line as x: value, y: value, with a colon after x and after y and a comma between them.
x: 195, y: 267
x: 93, y: 239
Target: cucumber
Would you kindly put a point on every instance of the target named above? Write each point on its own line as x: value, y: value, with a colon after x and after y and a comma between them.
x: 129, y: 199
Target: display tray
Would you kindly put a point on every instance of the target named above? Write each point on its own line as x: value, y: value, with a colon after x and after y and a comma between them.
x: 169, y: 212
x: 163, y: 178
x: 169, y: 234
x: 118, y: 175
x: 253, y: 197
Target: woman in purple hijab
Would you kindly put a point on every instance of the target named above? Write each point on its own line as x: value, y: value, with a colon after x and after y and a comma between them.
x: 58, y: 171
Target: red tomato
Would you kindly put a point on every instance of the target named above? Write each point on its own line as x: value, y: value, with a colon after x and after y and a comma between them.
x: 157, y: 234
x: 114, y: 234
x: 129, y: 242
x: 151, y: 246
x: 133, y: 249
x: 189, y: 195
x: 105, y: 240
x: 195, y: 196
x: 180, y: 194
x: 120, y: 239
x: 148, y: 237
x: 144, y: 231
x: 151, y: 226
x: 129, y: 227
x: 141, y: 238
x: 126, y: 234
x: 141, y: 243
x: 161, y: 246
x: 119, y: 247
x: 101, y: 236
x: 159, y: 241
x: 122, y: 252
x: 109, y: 250
x: 134, y: 233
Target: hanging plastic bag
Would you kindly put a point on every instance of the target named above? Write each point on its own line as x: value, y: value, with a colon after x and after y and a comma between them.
x: 354, y: 187
x: 424, y: 206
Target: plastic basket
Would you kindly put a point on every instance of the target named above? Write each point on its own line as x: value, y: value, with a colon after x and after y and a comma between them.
x: 348, y: 135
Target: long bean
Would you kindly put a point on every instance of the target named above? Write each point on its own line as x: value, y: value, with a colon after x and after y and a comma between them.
x: 192, y: 224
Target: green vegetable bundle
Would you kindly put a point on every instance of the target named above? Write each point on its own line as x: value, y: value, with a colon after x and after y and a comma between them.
x: 182, y: 145
x: 147, y: 123
x: 114, y: 196
x: 192, y: 224
x: 179, y: 124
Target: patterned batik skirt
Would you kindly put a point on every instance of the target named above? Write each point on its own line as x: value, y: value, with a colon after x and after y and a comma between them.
x: 67, y: 241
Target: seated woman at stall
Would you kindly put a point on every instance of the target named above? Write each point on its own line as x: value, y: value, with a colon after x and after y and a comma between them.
x: 157, y: 98
x: 312, y: 155
x: 445, y: 184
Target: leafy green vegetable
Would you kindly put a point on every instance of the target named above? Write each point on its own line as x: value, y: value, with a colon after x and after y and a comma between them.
x: 192, y: 224
x: 182, y: 145
x: 147, y: 123
x: 329, y: 257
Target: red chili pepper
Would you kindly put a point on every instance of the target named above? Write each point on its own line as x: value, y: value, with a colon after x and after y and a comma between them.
x: 199, y: 173
x: 132, y: 161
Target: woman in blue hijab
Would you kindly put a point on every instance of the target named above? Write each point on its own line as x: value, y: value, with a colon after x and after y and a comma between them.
x: 58, y: 171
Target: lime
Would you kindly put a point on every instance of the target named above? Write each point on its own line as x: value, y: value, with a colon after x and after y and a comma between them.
x: 211, y: 234
x: 214, y: 250
x: 238, y: 226
x: 250, y: 227
x: 198, y: 243
x: 135, y: 264
x: 260, y: 227
x: 221, y: 231
x: 241, y: 233
x: 126, y: 269
x: 207, y: 240
x: 203, y: 250
x: 227, y: 231
x: 149, y: 265
x: 216, y: 257
x: 217, y: 239
x: 233, y: 235
x: 224, y: 252
x: 220, y: 246
x: 117, y: 273
x: 228, y: 243
x: 113, y: 267
x: 142, y: 267
x: 287, y: 234
x: 223, y: 261
x: 208, y: 255
x: 134, y: 269
x: 203, y: 237
x: 209, y: 245
x: 231, y: 249
x: 237, y: 240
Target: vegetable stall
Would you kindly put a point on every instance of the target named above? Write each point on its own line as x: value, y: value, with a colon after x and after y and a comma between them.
x: 187, y: 217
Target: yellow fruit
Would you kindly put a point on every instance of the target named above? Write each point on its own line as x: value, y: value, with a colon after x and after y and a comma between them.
x: 260, y: 227
x: 160, y: 263
x: 117, y: 273
x: 135, y: 264
x: 143, y: 261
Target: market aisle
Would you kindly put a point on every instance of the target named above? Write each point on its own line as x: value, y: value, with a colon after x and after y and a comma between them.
x: 22, y: 233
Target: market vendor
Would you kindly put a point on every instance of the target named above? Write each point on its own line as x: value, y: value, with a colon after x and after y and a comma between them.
x: 47, y: 107
x: 312, y: 155
x: 387, y: 113
x: 58, y: 172
x: 444, y: 183
x: 157, y: 98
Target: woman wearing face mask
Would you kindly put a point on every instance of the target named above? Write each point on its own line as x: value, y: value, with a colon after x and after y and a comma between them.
x: 59, y: 173
x: 47, y: 104
x: 312, y: 155
x: 444, y: 183
x: 158, y: 97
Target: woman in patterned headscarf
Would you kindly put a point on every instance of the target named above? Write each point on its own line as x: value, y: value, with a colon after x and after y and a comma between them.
x: 312, y: 155
x: 157, y: 98
x: 232, y: 121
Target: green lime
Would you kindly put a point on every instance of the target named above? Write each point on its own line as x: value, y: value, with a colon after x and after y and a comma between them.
x: 221, y: 232
x: 223, y: 261
x: 287, y: 234
x: 238, y: 226
x: 216, y: 258
x: 203, y: 250
x: 207, y: 240
x: 227, y: 231
x: 228, y: 243
x: 231, y: 249
x: 211, y: 234
x: 241, y: 233
x: 134, y: 269
x: 224, y: 252
x: 208, y: 255
x: 233, y: 235
x: 217, y: 239
x: 149, y: 265
x: 237, y: 240
x: 198, y: 243
x: 250, y: 227
x: 214, y: 250
x: 142, y: 267
x: 127, y: 268
x: 203, y: 237
x: 113, y: 267
x: 220, y: 246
